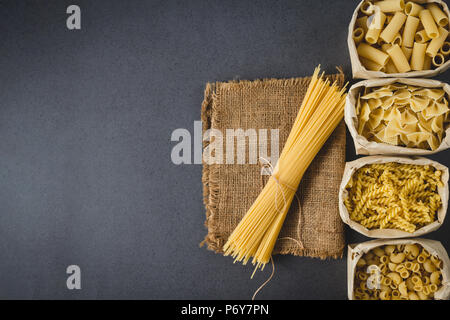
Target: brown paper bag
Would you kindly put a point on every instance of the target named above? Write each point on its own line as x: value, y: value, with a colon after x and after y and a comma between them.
x: 350, y: 169
x: 366, y: 147
x: 360, y: 72
x: 230, y: 190
x: 355, y: 252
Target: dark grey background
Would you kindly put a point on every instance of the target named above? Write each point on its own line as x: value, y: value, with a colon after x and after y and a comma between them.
x: 85, y: 124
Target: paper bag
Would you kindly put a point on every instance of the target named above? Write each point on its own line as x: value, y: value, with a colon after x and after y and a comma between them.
x: 366, y: 147
x: 360, y: 72
x: 355, y: 252
x: 352, y: 167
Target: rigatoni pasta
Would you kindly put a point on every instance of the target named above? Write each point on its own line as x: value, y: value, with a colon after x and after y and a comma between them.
x: 402, y: 26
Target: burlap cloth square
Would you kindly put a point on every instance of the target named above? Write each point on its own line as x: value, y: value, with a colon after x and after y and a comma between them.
x: 230, y: 190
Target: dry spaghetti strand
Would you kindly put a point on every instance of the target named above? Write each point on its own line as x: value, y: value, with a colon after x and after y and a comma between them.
x: 321, y: 111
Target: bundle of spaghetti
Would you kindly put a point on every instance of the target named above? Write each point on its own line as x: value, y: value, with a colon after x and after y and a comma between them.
x: 321, y: 111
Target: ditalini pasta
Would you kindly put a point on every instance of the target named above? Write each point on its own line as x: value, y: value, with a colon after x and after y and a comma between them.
x: 394, y: 196
x: 403, y: 115
x: 403, y: 27
x: 398, y: 272
x: 321, y: 111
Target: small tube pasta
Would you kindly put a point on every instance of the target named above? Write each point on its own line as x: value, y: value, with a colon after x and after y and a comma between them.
x: 404, y: 274
x: 445, y: 49
x: 413, y: 9
x: 395, y: 294
x: 436, y: 44
x: 373, y: 54
x: 428, y: 23
x: 394, y: 27
x: 390, y: 5
x: 438, y: 60
x: 421, y: 36
x: 421, y: 258
x: 399, y: 59
x: 439, y: 16
x: 385, y: 295
x: 416, y: 280
x: 358, y: 35
x: 411, y: 25
x: 418, y: 56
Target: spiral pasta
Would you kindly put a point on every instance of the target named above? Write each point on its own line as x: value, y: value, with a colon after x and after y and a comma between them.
x: 394, y: 196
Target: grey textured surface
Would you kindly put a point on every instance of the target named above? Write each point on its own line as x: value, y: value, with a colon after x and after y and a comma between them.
x: 85, y: 124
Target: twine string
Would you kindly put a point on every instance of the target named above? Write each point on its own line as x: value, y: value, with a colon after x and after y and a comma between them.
x: 280, y: 188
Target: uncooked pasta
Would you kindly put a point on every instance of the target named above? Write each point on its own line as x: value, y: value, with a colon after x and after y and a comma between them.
x: 321, y: 111
x: 394, y: 196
